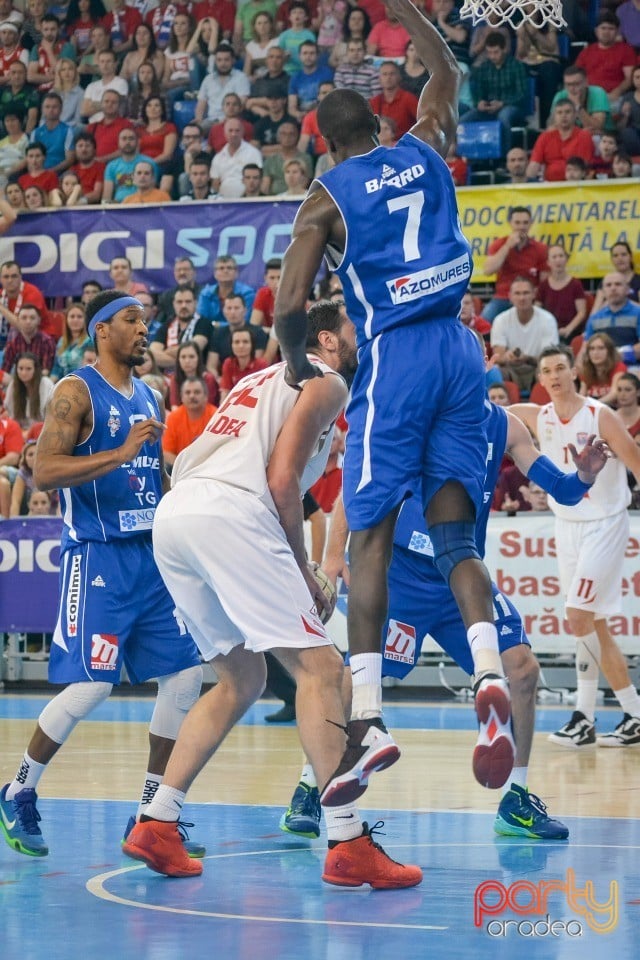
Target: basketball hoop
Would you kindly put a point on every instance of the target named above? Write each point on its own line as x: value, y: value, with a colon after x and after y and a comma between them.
x: 514, y: 12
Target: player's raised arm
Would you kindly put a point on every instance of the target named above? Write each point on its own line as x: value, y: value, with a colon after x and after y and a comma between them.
x: 438, y: 103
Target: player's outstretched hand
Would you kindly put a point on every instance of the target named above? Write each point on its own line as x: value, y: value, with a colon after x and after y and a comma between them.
x: 591, y: 459
x: 306, y: 371
x: 144, y: 431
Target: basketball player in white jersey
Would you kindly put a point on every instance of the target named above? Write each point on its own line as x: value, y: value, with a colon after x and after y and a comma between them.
x: 229, y: 543
x: 591, y: 539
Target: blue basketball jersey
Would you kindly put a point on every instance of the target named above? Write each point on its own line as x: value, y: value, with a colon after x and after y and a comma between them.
x: 411, y: 531
x: 122, y: 503
x: 406, y: 259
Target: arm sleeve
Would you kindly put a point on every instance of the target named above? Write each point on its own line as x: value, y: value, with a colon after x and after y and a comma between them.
x: 566, y: 488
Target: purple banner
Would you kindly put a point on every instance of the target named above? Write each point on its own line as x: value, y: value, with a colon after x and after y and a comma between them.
x: 59, y: 250
x: 29, y: 562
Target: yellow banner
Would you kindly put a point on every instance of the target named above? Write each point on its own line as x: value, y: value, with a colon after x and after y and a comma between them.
x: 587, y: 218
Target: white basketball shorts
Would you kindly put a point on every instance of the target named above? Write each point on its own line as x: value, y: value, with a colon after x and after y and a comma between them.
x: 590, y: 555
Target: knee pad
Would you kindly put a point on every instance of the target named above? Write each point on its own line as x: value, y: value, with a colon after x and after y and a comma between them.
x: 452, y: 543
x: 177, y: 693
x: 74, y: 703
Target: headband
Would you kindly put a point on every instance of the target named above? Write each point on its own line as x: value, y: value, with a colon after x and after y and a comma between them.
x: 109, y: 311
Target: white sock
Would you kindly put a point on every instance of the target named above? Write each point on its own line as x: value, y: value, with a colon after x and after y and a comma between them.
x: 308, y: 777
x: 27, y: 776
x: 151, y: 783
x: 483, y: 643
x: 587, y: 674
x: 366, y: 679
x: 518, y: 777
x: 166, y: 805
x: 629, y: 700
x: 343, y: 823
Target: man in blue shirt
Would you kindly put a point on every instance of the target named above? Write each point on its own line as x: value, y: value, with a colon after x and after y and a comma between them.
x: 212, y: 297
x: 305, y: 83
x: 56, y: 135
x: 620, y: 318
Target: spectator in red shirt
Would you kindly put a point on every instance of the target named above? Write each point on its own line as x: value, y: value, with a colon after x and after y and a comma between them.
x: 563, y: 295
x: 262, y: 313
x: 609, y: 62
x: 471, y: 319
x: 121, y: 24
x: 554, y: 146
x: 28, y: 338
x: 517, y: 255
x: 36, y: 175
x: 242, y: 361
x: 388, y: 38
x: 231, y: 107
x: 395, y: 102
x: 222, y: 11
x: 11, y: 444
x: 16, y: 292
x: 311, y: 140
x: 600, y: 369
x: 107, y: 130
x: 90, y: 172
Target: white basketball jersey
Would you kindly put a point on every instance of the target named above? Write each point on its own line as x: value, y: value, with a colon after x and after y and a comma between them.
x: 236, y: 445
x: 610, y: 493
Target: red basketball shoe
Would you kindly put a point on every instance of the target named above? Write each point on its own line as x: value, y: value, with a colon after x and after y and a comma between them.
x: 352, y: 863
x: 159, y: 845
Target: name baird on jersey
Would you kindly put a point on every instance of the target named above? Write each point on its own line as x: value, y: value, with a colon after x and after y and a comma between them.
x: 390, y: 178
x: 416, y: 285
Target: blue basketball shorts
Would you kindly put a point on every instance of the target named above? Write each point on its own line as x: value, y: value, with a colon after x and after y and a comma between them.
x: 420, y: 605
x: 417, y: 418
x: 115, y: 609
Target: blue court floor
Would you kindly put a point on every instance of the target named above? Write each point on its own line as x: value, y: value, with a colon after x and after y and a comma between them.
x: 260, y: 896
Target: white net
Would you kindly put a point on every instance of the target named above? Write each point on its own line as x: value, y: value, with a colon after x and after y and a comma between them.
x: 514, y: 12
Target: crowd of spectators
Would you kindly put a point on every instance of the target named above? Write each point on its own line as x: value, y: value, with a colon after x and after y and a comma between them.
x: 152, y: 102
x: 156, y: 102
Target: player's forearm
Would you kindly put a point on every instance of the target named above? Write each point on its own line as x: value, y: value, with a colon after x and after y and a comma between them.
x: 58, y: 470
x: 434, y: 52
x: 334, y: 559
x: 288, y: 503
x: 291, y: 331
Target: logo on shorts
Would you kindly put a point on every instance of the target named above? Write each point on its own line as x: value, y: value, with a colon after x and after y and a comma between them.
x: 421, y: 543
x: 98, y: 582
x: 104, y: 651
x: 400, y: 644
x: 114, y: 420
x: 73, y: 595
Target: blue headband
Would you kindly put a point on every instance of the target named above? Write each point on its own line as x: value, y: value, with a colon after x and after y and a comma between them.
x: 109, y: 311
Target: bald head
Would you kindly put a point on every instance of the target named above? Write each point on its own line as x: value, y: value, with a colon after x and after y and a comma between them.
x: 615, y: 289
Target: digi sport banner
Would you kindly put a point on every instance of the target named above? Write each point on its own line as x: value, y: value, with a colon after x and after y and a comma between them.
x: 59, y: 250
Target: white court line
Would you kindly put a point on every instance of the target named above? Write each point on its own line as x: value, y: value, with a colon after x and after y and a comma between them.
x: 95, y: 886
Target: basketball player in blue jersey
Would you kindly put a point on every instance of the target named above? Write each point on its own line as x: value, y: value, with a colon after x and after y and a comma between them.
x: 421, y: 603
x: 388, y: 222
x: 101, y: 445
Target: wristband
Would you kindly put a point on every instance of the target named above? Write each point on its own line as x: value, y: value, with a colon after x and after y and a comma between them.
x: 566, y: 488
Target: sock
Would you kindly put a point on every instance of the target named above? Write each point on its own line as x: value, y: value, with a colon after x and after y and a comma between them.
x: 629, y: 700
x: 518, y: 777
x: 588, y: 673
x: 483, y: 643
x: 308, y: 777
x: 366, y: 678
x: 27, y: 776
x: 151, y: 783
x: 343, y: 823
x: 166, y: 805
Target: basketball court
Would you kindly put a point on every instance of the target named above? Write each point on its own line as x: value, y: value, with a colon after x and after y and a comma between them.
x: 260, y: 895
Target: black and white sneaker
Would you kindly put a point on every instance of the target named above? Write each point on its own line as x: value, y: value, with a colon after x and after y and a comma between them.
x: 578, y: 732
x: 626, y: 734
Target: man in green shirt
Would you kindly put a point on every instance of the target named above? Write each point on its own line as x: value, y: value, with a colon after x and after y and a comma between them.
x: 593, y: 110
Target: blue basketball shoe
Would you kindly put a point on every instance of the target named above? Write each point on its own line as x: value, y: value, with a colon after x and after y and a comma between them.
x: 19, y: 819
x: 522, y: 814
x: 195, y: 850
x: 303, y: 815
